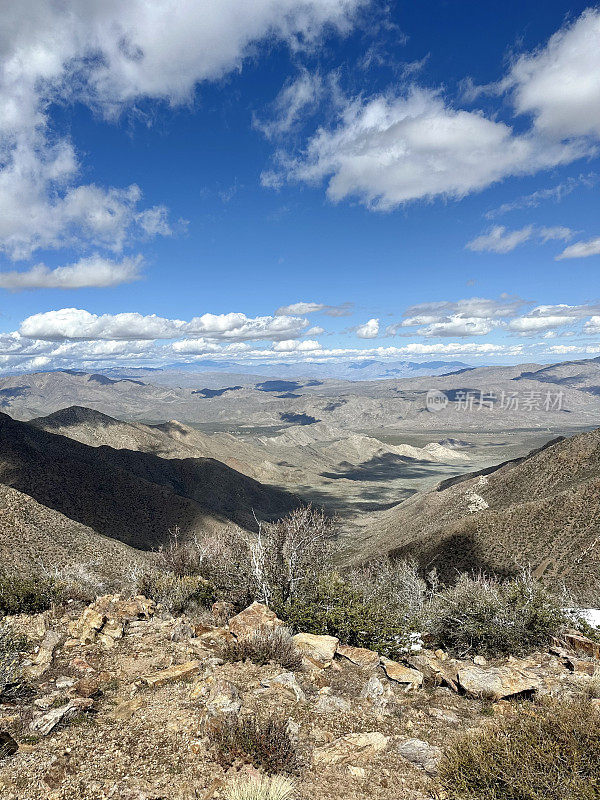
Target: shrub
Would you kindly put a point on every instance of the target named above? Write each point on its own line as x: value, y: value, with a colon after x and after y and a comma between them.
x: 335, y: 608
x: 10, y: 671
x: 542, y: 753
x: 276, y: 787
x: 264, y: 743
x: 591, y: 685
x: 263, y: 646
x: 483, y: 616
x: 27, y: 595
x: 177, y: 593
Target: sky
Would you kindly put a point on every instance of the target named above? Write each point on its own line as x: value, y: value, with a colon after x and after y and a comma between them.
x: 286, y: 181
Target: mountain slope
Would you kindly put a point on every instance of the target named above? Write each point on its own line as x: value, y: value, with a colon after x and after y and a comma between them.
x: 542, y: 511
x: 131, y: 496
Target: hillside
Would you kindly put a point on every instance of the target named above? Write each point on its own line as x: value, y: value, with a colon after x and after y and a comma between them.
x: 542, y: 511
x: 131, y: 496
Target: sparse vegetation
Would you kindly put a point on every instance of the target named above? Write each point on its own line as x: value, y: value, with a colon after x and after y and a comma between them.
x: 481, y: 615
x: 275, y: 787
x: 177, y: 593
x: 10, y: 671
x: 21, y: 594
x: 591, y: 685
x: 547, y: 752
x: 266, y: 744
x: 263, y: 646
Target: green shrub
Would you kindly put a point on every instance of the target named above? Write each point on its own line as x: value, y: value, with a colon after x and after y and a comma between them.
x: 335, y: 608
x: 263, y: 646
x: 549, y: 752
x: 177, y: 593
x: 264, y: 743
x: 27, y: 595
x: 480, y: 615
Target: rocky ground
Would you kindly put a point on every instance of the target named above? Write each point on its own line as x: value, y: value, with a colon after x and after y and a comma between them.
x: 122, y: 697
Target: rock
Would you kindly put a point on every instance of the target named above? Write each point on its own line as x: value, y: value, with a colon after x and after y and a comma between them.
x: 172, y: 674
x: 111, y: 631
x: 581, y: 644
x: 212, y: 638
x: 8, y: 746
x: 252, y: 619
x: 360, y: 656
x: 351, y: 748
x: 64, y: 682
x: 400, y: 673
x: 91, y: 685
x: 30, y: 626
x: 288, y: 683
x: 480, y: 661
x: 105, y: 619
x: 182, y: 632
x: 331, y: 704
x: 43, y: 658
x: 222, y: 611
x: 86, y: 628
x: 434, y: 667
x: 223, y: 699
x: 125, y: 710
x: 496, y: 683
x: 47, y: 722
x: 581, y: 667
x: 318, y: 650
x: 378, y: 695
x: 444, y: 715
x: 421, y: 753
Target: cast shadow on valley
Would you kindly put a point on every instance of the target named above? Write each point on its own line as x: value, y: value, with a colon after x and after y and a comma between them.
x: 372, y: 498
x: 387, y: 467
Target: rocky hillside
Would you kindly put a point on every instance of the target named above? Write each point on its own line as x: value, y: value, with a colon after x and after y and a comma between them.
x: 131, y: 496
x: 126, y: 701
x: 542, y: 511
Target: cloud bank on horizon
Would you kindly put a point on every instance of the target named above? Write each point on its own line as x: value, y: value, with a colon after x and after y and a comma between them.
x: 369, y: 172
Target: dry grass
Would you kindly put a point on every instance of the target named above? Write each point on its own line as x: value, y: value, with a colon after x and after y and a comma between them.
x: 263, y: 646
x: 276, y: 787
x: 548, y: 752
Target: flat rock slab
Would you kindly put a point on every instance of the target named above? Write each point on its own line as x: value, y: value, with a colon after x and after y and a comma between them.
x: 496, y: 682
x: 400, y: 673
x: 351, y: 749
x: 319, y: 650
x: 172, y: 674
x: 581, y: 644
x: 421, y: 753
x: 359, y: 655
x: 252, y: 619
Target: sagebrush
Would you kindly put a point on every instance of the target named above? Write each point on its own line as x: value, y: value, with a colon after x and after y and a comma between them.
x: 264, y: 743
x: 263, y: 646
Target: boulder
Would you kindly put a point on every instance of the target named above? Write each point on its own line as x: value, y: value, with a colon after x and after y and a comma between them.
x: 378, y: 695
x: 368, y: 659
x: 223, y: 699
x: 252, y: 619
x: 437, y: 671
x: 86, y: 628
x: 287, y: 683
x: 582, y: 644
x: 350, y: 749
x: 400, y: 673
x: 43, y: 658
x: 319, y: 651
x: 172, y: 674
x: 496, y: 683
x: 421, y: 753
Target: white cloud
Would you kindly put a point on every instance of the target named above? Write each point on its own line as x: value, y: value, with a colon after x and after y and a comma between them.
x: 592, y: 326
x: 500, y: 240
x: 75, y: 323
x: 317, y: 330
x: 476, y: 307
x: 110, y: 54
x: 370, y: 330
x: 341, y: 310
x: 93, y: 271
x: 293, y: 102
x: 458, y: 326
x: 536, y: 324
x: 295, y: 346
x: 581, y: 249
x: 555, y: 193
x: 559, y: 84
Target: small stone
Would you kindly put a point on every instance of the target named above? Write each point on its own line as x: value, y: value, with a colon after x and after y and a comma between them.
x: 223, y: 699
x: 125, y: 710
x: 288, y: 683
x: 47, y: 722
x: 254, y: 618
x: 480, y: 661
x: 318, y: 650
x: 351, y: 748
x: 378, y: 695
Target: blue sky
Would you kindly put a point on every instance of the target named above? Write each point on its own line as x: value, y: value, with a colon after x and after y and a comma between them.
x: 298, y: 180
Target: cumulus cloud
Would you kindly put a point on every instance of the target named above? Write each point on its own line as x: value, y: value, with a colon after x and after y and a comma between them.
x: 295, y: 346
x: 592, y: 326
x: 76, y: 323
x: 108, y: 55
x: 398, y: 147
x: 94, y: 271
x: 581, y: 249
x: 458, y: 326
x: 370, y: 330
